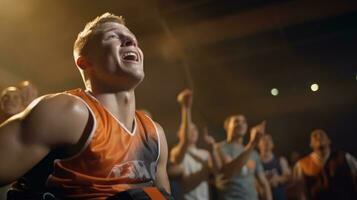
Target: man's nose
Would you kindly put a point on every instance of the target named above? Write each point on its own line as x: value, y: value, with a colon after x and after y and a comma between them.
x: 127, y: 42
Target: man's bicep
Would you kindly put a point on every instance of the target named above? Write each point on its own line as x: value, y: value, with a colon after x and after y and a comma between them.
x: 29, y: 136
x: 57, y: 120
x: 17, y: 155
x: 352, y: 163
x: 297, y: 174
x: 161, y: 174
x: 285, y: 166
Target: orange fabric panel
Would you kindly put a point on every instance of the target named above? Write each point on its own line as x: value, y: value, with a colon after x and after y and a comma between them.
x: 113, y: 160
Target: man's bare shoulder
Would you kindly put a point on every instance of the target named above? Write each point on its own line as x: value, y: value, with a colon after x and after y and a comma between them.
x: 56, y: 118
x: 57, y: 105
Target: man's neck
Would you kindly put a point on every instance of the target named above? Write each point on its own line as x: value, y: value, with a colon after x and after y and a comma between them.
x: 237, y: 140
x: 323, y: 154
x: 121, y: 105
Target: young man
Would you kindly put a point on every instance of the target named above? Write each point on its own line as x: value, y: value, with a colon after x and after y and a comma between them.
x: 241, y: 164
x: 29, y: 92
x: 325, y: 173
x: 106, y: 146
x: 193, y: 163
x: 276, y: 169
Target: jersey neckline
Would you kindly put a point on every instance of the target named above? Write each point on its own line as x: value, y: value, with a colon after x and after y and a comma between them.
x: 132, y: 133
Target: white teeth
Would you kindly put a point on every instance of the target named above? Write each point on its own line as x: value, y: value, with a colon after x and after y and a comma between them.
x: 130, y: 53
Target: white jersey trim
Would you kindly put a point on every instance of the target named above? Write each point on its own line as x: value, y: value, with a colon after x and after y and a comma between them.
x: 89, y: 139
x: 132, y: 133
x: 158, y: 137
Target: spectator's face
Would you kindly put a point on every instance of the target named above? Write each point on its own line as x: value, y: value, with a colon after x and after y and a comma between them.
x: 28, y: 92
x: 266, y: 143
x: 319, y: 140
x: 237, y: 126
x: 11, y: 102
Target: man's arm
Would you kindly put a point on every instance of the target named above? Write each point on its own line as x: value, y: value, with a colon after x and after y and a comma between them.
x: 178, y: 151
x: 264, y: 182
x: 213, y: 158
x: 161, y: 174
x: 229, y: 168
x: 192, y: 180
x: 29, y: 136
x: 299, y: 182
x: 352, y: 163
x: 286, y: 171
x: 277, y: 179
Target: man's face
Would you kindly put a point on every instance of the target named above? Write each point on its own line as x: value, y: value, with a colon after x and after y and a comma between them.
x: 28, y: 92
x: 319, y: 140
x: 266, y: 143
x: 11, y: 102
x: 116, y: 59
x: 237, y: 126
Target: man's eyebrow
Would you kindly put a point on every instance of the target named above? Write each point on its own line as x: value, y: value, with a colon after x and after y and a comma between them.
x: 126, y: 32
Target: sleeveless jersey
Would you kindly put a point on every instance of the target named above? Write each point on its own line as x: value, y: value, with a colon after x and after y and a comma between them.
x: 112, y: 160
x: 272, y: 168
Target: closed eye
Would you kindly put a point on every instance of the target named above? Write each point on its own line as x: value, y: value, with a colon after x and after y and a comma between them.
x: 112, y: 36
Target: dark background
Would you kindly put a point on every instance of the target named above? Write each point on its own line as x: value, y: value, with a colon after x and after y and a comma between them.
x: 231, y: 53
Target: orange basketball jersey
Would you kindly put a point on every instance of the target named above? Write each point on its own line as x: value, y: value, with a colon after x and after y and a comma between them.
x: 113, y: 158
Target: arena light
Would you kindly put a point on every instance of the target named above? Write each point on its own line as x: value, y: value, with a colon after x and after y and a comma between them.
x: 314, y: 87
x: 274, y: 92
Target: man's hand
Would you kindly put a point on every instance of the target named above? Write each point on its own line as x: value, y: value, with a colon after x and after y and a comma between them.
x: 257, y: 132
x: 209, y: 140
x: 274, y: 180
x: 220, y: 181
x: 185, y: 98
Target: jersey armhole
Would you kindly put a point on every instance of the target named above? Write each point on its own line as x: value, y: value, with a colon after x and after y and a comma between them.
x: 158, y: 138
x: 91, y: 132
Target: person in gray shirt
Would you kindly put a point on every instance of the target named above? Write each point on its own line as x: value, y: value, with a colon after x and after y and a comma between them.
x: 239, y: 164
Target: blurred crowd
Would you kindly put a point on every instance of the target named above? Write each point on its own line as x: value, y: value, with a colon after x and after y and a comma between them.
x: 234, y: 170
x: 15, y: 99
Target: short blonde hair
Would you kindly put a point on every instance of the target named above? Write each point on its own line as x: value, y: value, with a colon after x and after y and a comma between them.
x: 81, y: 43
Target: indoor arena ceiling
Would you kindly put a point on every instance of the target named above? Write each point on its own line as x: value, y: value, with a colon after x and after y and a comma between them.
x: 231, y: 53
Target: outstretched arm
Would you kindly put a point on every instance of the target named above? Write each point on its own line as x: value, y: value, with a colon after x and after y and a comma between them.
x: 29, y: 136
x: 299, y: 182
x: 214, y: 162
x: 264, y: 182
x: 178, y: 151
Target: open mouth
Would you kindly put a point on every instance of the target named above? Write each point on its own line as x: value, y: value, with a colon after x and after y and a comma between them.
x: 130, y: 56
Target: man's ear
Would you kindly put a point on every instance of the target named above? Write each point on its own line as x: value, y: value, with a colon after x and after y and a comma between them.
x: 83, y: 63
